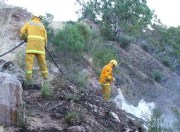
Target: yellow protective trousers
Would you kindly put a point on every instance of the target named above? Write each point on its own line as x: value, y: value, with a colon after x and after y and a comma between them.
x: 106, y: 91
x: 30, y: 62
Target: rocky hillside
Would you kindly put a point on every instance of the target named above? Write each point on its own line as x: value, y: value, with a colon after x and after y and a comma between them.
x: 74, y: 110
x: 69, y: 109
x: 137, y: 69
x: 11, y: 19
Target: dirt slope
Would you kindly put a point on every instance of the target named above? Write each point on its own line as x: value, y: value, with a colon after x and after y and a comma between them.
x: 69, y: 109
x: 86, y: 111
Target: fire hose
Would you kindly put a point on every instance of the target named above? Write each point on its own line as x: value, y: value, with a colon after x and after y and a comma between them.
x: 60, y: 68
x: 49, y: 55
x: 12, y: 49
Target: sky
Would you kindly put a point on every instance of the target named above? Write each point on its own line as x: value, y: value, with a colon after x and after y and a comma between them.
x: 64, y: 10
x: 168, y: 11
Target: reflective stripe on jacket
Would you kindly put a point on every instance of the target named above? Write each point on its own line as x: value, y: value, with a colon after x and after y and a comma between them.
x: 36, y: 36
x: 106, y: 75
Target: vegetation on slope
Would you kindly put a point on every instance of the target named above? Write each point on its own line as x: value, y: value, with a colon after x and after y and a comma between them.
x: 76, y: 39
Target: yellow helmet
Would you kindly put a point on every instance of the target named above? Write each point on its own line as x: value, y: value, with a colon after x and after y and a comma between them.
x: 114, y: 62
x: 37, y: 14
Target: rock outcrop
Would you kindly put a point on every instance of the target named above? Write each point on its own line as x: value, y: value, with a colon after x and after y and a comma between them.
x: 13, y: 69
x: 10, y: 99
x: 11, y: 20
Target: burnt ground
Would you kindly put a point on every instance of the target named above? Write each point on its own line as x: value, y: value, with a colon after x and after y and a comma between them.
x: 72, y: 110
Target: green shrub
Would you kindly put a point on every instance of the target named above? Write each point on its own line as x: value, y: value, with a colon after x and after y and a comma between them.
x: 125, y: 41
x: 27, y: 84
x: 82, y: 78
x: 73, y: 97
x: 84, y: 31
x: 157, y: 124
x: 107, y: 32
x: 156, y: 75
x: 72, y: 38
x: 71, y: 22
x: 165, y: 62
x: 70, y: 117
x: 50, y: 31
x: 145, y: 47
x: 74, y: 73
x: 102, y: 55
x: 21, y: 116
x: 46, y: 91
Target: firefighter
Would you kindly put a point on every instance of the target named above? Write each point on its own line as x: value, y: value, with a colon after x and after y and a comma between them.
x: 106, y: 78
x: 35, y: 33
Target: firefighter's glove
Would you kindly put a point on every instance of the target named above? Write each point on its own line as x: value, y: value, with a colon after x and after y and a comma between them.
x: 115, y: 82
x: 23, y: 37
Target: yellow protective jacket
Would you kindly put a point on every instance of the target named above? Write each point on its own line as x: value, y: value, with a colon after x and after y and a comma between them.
x: 36, y: 36
x: 106, y: 76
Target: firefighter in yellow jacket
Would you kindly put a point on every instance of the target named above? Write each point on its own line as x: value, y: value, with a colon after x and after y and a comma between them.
x: 36, y: 35
x: 106, y: 78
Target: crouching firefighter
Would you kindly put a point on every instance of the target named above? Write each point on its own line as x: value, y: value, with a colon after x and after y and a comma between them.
x: 106, y: 78
x: 35, y: 33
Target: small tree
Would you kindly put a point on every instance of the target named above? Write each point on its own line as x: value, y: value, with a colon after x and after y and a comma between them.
x: 46, y: 21
x: 129, y: 16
